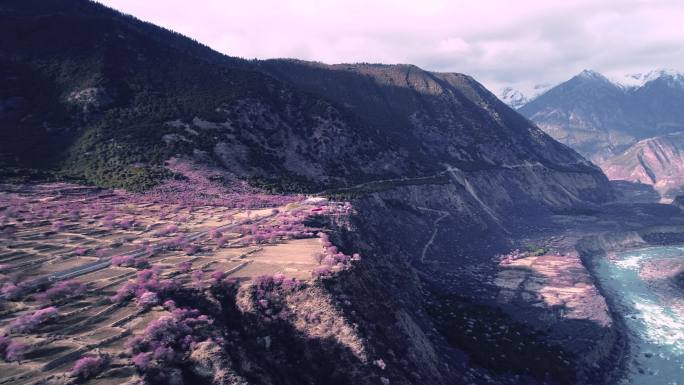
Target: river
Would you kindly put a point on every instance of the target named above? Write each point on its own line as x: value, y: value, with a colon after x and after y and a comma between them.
x: 655, y: 324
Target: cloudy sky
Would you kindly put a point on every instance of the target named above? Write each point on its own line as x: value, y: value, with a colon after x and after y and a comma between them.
x: 518, y: 43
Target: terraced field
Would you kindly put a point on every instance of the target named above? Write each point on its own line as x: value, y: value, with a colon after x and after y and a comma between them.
x: 84, y: 270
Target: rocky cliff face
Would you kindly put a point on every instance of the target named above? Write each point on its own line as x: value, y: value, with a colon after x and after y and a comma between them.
x: 655, y: 161
x: 449, y: 119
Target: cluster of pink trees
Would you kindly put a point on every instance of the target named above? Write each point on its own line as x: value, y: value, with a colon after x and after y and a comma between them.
x: 180, y: 242
x: 126, y: 223
x: 274, y: 231
x: 191, y: 248
x: 88, y: 367
x: 130, y: 261
x: 215, y: 234
x: 146, y: 299
x: 11, y: 350
x: 61, y: 291
x: 13, y: 289
x: 13, y: 292
x: 217, y: 279
x: 204, y: 186
x: 169, y: 340
x: 197, y: 277
x: 321, y: 271
x: 56, y: 210
x: 269, y: 295
x: 184, y: 267
x: 29, y: 322
x: 109, y: 222
x: 168, y: 230
x: 175, y: 243
x: 57, y: 225
x: 331, y: 260
x: 218, y: 237
x: 148, y: 288
x: 80, y: 251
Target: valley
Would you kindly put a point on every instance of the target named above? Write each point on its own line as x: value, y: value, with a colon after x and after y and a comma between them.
x: 173, y: 215
x: 108, y: 263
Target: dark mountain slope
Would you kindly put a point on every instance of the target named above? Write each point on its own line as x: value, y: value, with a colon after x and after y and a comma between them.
x: 91, y: 95
x: 588, y: 113
x: 449, y: 115
x: 113, y: 98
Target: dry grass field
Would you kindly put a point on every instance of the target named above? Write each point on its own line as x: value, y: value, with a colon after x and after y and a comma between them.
x: 84, y: 270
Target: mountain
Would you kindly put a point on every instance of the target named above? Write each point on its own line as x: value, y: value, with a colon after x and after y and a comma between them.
x: 657, y: 161
x: 600, y: 118
x: 110, y: 98
x: 442, y: 177
x: 637, y: 80
x: 514, y: 98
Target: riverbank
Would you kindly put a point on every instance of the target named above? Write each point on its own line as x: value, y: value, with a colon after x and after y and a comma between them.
x: 584, y: 236
x: 609, y: 249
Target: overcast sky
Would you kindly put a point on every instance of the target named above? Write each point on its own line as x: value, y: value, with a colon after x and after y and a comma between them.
x: 520, y: 43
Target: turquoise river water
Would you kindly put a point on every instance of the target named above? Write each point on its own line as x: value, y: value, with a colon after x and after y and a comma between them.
x: 656, y: 330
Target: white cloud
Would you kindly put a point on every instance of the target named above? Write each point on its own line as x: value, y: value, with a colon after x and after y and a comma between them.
x: 521, y: 43
x: 453, y: 45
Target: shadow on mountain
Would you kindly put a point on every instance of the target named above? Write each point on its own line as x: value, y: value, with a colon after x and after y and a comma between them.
x: 635, y: 192
x: 679, y: 280
x: 526, y: 335
x: 259, y: 350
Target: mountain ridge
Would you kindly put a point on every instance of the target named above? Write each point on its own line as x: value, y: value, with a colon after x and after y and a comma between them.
x: 657, y: 161
x: 90, y: 96
x: 600, y: 118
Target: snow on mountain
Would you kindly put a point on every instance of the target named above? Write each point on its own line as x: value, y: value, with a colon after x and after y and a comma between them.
x: 514, y: 98
x: 638, y: 80
x: 541, y: 88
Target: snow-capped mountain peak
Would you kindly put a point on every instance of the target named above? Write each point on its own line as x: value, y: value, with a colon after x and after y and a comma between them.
x: 590, y: 74
x: 637, y: 80
x: 514, y: 98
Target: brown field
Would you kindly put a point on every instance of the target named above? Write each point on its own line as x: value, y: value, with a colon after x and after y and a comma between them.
x: 51, y: 232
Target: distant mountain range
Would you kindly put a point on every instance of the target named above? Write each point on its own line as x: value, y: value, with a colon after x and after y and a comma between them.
x: 601, y: 117
x: 609, y: 119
